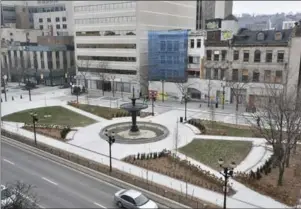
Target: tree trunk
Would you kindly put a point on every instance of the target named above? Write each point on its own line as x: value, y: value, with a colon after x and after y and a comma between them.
x: 281, y: 174
x: 237, y: 101
x: 288, y: 156
x: 295, y: 146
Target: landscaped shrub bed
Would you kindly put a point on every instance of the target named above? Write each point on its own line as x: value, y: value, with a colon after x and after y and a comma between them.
x: 168, y: 164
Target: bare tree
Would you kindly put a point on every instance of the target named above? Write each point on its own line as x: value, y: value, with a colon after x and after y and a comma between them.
x: 278, y: 120
x: 103, y: 66
x: 212, y: 114
x: 19, y: 195
x: 237, y: 89
x: 209, y: 90
x: 85, y: 65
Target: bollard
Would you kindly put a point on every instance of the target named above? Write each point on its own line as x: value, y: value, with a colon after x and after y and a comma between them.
x: 21, y: 96
x: 12, y: 98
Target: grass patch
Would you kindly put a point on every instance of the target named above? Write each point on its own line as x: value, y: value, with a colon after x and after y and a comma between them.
x: 104, y: 112
x: 209, y: 151
x: 59, y: 116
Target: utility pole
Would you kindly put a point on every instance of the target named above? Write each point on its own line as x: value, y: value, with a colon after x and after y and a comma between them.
x: 209, y: 89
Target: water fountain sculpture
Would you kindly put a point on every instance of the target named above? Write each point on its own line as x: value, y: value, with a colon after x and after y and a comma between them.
x: 134, y: 108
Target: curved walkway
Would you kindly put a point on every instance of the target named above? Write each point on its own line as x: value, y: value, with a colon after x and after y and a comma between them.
x: 88, y: 138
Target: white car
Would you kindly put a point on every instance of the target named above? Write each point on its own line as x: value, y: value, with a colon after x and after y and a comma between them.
x: 6, y: 196
x: 133, y: 199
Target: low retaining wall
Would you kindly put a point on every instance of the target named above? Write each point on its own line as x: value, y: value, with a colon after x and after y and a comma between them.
x: 158, y: 193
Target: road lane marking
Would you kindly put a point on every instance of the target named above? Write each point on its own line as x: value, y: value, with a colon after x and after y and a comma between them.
x: 10, y: 162
x: 95, y: 203
x: 52, y: 182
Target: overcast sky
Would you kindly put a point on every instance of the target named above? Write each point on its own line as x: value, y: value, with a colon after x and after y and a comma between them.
x: 266, y: 7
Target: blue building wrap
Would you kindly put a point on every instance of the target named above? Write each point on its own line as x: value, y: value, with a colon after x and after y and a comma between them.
x: 167, y: 55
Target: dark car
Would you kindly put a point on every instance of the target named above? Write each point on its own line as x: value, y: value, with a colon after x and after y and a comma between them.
x: 65, y: 86
x: 29, y: 85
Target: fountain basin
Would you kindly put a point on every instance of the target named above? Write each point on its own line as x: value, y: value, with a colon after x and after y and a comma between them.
x: 148, y: 132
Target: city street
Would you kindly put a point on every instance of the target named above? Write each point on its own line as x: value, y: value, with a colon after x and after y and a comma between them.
x: 56, y: 186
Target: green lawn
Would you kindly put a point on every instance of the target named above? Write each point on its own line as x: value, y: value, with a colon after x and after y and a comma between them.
x: 209, y: 151
x: 59, y: 116
x: 228, y: 129
x: 104, y: 112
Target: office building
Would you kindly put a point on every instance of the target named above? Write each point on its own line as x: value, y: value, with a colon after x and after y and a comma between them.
x: 111, y: 38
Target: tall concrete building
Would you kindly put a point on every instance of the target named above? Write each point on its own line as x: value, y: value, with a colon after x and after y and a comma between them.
x: 212, y: 9
x: 111, y: 39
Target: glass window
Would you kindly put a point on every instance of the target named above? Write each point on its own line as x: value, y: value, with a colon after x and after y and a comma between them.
x: 216, y: 56
x: 215, y: 74
x: 224, y: 54
x: 58, y: 26
x: 256, y: 76
x: 176, y: 46
x: 246, y: 56
x: 280, y: 56
x: 169, y: 46
x: 235, y: 75
x: 278, y: 77
x: 208, y: 73
x: 245, y: 75
x: 190, y: 59
x: 40, y: 20
x: 162, y: 45
x: 162, y: 59
x: 257, y: 55
x: 192, y: 43
x: 48, y: 19
x: 41, y: 27
x: 209, y: 54
x: 176, y: 59
x: 267, y: 76
x: 169, y: 59
x: 198, y: 43
x: 269, y: 56
x: 64, y: 26
x: 57, y: 19
x: 64, y: 19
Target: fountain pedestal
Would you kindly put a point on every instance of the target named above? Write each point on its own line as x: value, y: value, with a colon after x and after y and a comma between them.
x: 134, y: 108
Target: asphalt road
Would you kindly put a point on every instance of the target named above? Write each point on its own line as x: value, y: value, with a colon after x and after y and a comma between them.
x: 55, y: 185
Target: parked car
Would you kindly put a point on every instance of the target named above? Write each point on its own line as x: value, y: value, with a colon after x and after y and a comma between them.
x: 6, y: 197
x: 133, y: 199
x: 29, y: 85
x: 65, y: 86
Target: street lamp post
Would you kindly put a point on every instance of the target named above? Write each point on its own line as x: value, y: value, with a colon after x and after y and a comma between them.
x: 111, y: 141
x: 223, y: 101
x: 185, y: 102
x: 66, y: 77
x: 4, y: 85
x: 34, y: 120
x: 163, y: 94
x: 153, y: 98
x: 227, y: 172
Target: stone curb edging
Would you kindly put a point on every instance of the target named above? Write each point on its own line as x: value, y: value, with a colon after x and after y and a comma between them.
x: 91, y: 172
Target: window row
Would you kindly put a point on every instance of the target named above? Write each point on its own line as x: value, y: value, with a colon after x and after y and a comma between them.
x: 194, y: 60
x: 106, y: 33
x: 112, y: 71
x: 197, y: 45
x: 64, y: 26
x: 216, y: 55
x: 258, y: 57
x: 171, y: 46
x: 101, y: 58
x: 170, y: 59
x: 122, y: 19
x: 57, y: 19
x: 107, y: 46
x: 105, y: 7
x: 46, y: 9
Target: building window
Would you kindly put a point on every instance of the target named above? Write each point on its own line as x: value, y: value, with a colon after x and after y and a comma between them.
x: 245, y: 75
x: 215, y: 74
x: 48, y: 19
x: 169, y: 46
x: 224, y: 54
x: 57, y: 19
x: 169, y: 60
x: 190, y: 59
x: 280, y: 56
x: 269, y: 56
x: 256, y: 76
x: 216, y: 56
x: 64, y: 26
x: 58, y: 26
x: 278, y: 77
x: 176, y: 46
x: 40, y: 20
x: 198, y: 43
x: 222, y: 74
x: 64, y: 19
x: 235, y: 75
x: 209, y: 54
x: 208, y: 73
x: 267, y: 76
x: 236, y: 55
x: 257, y: 55
x: 246, y: 56
x: 41, y: 27
x: 162, y: 46
x: 192, y: 43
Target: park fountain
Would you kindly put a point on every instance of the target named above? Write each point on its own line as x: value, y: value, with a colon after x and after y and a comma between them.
x: 127, y: 132
x: 134, y: 108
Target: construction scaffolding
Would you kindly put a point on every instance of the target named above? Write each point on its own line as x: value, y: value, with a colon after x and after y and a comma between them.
x: 167, y: 55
